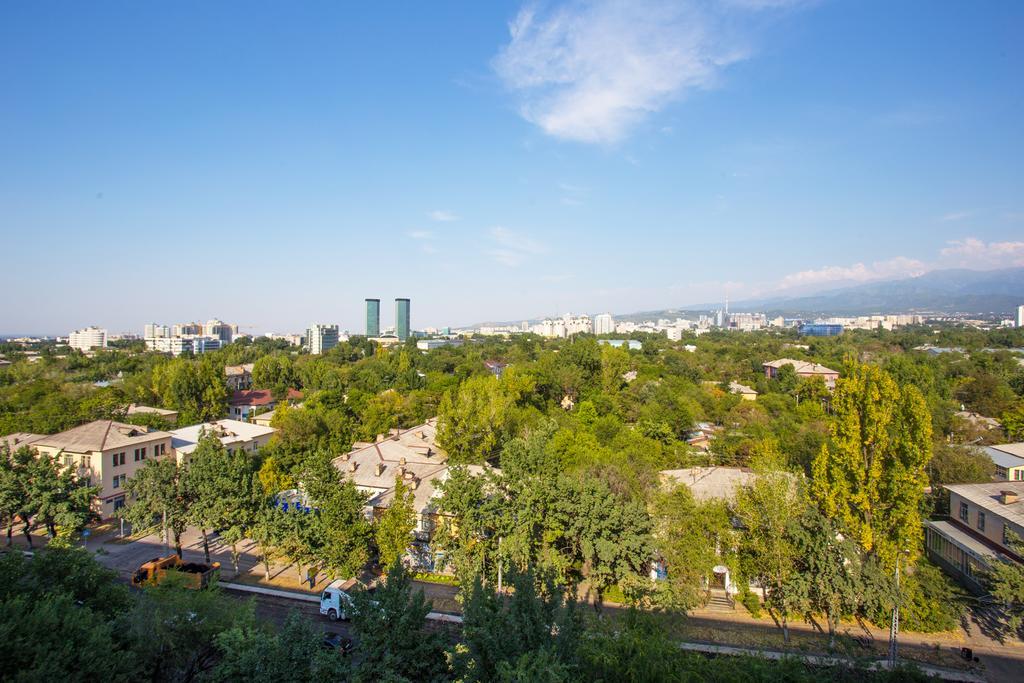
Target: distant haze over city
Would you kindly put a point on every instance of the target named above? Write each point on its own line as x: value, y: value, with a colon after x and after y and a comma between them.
x: 491, y: 163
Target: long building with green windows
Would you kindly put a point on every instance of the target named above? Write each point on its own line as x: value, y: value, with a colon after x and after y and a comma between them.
x: 373, y: 317
x: 402, y: 319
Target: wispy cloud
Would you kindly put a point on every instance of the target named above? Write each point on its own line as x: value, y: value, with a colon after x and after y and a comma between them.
x: 972, y: 252
x: 591, y: 71
x: 443, y: 216
x: 901, y: 266
x: 954, y: 216
x: 420, y: 234
x: 511, y: 248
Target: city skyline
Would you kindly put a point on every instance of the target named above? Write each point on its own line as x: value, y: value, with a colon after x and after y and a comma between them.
x: 493, y: 163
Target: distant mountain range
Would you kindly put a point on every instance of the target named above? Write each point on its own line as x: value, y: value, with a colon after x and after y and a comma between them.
x: 938, y: 291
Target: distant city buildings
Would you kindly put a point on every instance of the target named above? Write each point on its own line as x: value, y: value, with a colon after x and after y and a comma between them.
x: 321, y: 338
x: 88, y: 339
x: 195, y: 338
x: 820, y: 330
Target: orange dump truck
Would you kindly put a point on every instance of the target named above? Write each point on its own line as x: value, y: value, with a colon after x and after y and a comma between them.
x: 196, y: 574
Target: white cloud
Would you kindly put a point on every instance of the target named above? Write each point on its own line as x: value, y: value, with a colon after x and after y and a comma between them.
x: 590, y: 71
x: 511, y: 248
x: 442, y: 216
x: 901, y: 266
x: 954, y: 216
x: 971, y: 252
x: 420, y: 234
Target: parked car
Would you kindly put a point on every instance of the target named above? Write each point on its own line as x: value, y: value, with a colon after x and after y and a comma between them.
x: 337, y: 643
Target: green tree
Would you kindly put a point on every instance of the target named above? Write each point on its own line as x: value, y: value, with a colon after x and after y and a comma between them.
x: 259, y: 655
x: 337, y: 533
x: 827, y: 569
x: 767, y: 507
x: 688, y: 536
x: 394, y: 528
x: 499, y: 630
x: 226, y: 492
x: 473, y: 422
x: 159, y: 493
x: 389, y: 628
x: 1006, y: 581
x: 61, y: 500
x: 1013, y: 422
x: 871, y: 474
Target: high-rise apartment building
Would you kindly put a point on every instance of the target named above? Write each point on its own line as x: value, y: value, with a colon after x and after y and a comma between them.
x: 373, y: 317
x: 321, y: 338
x: 152, y: 330
x: 88, y: 338
x: 402, y: 319
x: 220, y: 329
x: 1020, y: 316
x: 604, y: 323
x: 186, y: 329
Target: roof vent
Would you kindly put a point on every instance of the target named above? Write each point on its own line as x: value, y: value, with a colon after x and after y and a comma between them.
x: 1008, y: 497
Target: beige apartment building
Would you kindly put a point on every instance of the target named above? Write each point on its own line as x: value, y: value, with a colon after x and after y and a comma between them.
x: 107, y: 454
x: 981, y: 519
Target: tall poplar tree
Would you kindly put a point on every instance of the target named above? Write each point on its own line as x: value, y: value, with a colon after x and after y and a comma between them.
x: 871, y: 474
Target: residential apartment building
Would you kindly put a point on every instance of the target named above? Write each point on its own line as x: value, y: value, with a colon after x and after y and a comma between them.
x: 105, y: 453
x: 177, y: 345
x: 235, y: 435
x: 321, y: 338
x: 411, y: 455
x: 1008, y: 459
x: 982, y: 517
x: 803, y: 368
x: 1020, y: 316
x: 88, y: 339
x: 221, y: 330
x: 151, y: 330
x: 604, y: 323
x: 245, y: 404
x: 170, y: 416
x: 238, y: 377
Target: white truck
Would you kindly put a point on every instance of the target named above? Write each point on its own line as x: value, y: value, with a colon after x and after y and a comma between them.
x: 335, y: 601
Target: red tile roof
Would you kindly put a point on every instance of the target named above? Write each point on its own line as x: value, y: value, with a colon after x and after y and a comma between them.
x: 258, y: 397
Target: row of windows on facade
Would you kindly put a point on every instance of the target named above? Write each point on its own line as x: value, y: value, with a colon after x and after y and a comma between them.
x: 140, y: 454
x: 980, y: 524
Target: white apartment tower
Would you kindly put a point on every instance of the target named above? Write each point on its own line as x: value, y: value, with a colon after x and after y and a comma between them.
x: 604, y: 323
x: 1020, y: 316
x: 321, y: 338
x: 89, y: 338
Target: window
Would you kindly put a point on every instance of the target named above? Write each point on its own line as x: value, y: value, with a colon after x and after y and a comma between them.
x: 118, y: 503
x: 963, y: 511
x: 68, y: 461
x: 981, y: 520
x: 140, y: 454
x: 86, y: 461
x: 118, y: 459
x: 159, y: 449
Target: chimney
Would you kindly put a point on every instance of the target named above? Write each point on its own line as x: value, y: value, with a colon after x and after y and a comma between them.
x: 352, y: 467
x: 381, y: 437
x: 401, y: 461
x: 401, y: 472
x: 419, y: 434
x: 344, y: 457
x: 413, y: 483
x: 380, y: 469
x: 1008, y: 497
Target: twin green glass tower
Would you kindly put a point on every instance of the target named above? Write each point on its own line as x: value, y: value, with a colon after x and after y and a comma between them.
x: 401, y: 318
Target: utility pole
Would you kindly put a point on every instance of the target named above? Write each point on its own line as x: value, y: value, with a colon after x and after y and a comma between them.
x: 500, y: 564
x: 895, y: 625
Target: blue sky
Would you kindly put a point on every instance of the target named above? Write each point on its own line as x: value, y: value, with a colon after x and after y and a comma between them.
x: 274, y: 164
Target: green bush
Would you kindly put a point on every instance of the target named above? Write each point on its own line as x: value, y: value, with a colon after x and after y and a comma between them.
x: 752, y: 603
